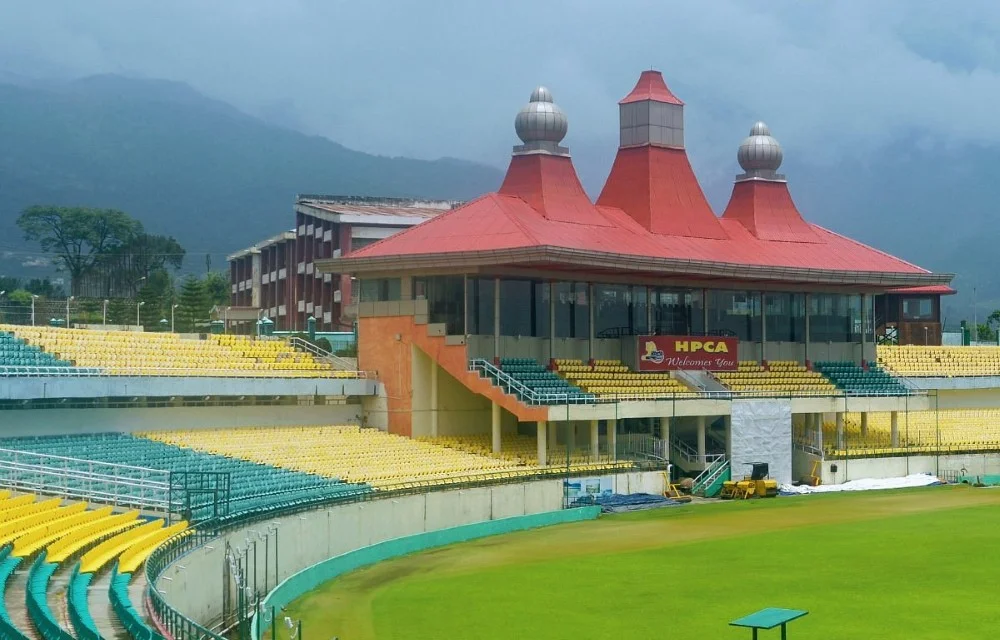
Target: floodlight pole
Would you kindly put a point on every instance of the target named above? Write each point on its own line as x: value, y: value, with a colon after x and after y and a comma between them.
x: 137, y: 307
x: 104, y: 314
x: 68, y: 300
x: 33, y: 296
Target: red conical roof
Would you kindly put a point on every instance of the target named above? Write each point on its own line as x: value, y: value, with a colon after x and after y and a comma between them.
x: 766, y: 209
x: 658, y: 189
x: 651, y: 87
x: 550, y: 185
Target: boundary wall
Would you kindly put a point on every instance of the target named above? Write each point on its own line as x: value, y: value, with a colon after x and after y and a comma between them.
x: 274, y: 549
x: 194, y: 584
x: 312, y: 577
x: 838, y: 471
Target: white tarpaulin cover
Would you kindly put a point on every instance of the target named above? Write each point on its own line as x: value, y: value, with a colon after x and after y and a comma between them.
x: 762, y: 432
x: 867, y: 484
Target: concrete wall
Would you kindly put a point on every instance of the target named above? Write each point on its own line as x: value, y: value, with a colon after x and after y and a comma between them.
x: 117, y: 387
x: 193, y: 584
x: 460, y: 411
x: 45, y: 422
x: 894, y: 467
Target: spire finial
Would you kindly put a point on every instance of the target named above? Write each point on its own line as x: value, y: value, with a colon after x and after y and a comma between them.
x: 760, y: 155
x: 541, y: 125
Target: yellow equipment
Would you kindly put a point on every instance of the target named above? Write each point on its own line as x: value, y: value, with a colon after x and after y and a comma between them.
x: 813, y: 479
x: 756, y: 485
x: 672, y: 491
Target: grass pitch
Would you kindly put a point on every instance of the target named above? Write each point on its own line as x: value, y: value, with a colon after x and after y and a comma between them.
x: 906, y: 564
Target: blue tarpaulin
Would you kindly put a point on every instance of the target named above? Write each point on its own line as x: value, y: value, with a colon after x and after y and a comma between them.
x: 616, y: 502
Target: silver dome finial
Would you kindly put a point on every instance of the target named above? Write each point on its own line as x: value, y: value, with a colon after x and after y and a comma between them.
x: 541, y: 125
x: 760, y: 155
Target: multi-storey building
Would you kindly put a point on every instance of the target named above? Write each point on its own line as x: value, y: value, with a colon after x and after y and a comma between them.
x: 276, y: 278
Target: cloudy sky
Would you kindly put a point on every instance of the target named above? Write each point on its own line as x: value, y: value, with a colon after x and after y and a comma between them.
x: 445, y: 78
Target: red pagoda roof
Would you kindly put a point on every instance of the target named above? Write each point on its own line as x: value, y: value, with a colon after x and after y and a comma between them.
x: 652, y: 218
x: 651, y: 87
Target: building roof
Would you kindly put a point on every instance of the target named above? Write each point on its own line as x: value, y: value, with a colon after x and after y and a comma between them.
x: 284, y: 236
x: 367, y: 210
x: 652, y: 218
x: 939, y: 289
x: 651, y: 86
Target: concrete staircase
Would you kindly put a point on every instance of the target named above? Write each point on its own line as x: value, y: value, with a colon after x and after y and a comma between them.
x: 450, y: 353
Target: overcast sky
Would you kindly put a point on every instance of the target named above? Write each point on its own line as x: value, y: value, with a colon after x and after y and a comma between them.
x: 445, y: 77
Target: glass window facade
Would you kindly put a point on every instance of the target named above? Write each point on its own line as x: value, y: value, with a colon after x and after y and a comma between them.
x: 481, y: 311
x: 918, y: 309
x: 380, y: 290
x: 677, y: 312
x: 785, y: 317
x: 524, y: 308
x: 835, y: 318
x: 572, y: 309
x: 734, y: 314
x: 445, y: 301
x: 619, y: 310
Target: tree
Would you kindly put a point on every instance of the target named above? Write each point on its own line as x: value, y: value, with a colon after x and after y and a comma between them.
x: 984, y: 333
x: 217, y: 288
x: 193, y: 305
x: 120, y: 270
x: 77, y: 235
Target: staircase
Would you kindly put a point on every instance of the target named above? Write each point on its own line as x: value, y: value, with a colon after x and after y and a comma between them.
x: 709, y: 482
x: 686, y: 457
x: 453, y: 358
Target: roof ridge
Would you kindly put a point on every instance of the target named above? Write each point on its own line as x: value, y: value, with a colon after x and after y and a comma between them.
x: 517, y: 222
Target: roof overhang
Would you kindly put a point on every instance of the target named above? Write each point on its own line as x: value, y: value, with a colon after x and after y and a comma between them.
x: 367, y: 219
x: 575, y: 258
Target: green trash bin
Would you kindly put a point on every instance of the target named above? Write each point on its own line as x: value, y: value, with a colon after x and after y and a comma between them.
x: 218, y: 327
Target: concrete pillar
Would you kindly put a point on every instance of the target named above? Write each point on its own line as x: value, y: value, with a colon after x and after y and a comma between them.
x: 701, y: 438
x: 595, y: 440
x: 894, y: 429
x: 434, y: 398
x: 542, y: 461
x: 840, y: 431
x: 496, y: 428
x: 613, y: 439
x: 864, y: 325
x: 864, y: 424
x: 571, y: 436
x: 552, y: 320
x: 819, y: 431
x: 665, y: 430
x: 728, y: 421
x: 552, y: 440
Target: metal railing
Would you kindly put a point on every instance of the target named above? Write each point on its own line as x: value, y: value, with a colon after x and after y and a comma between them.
x: 10, y: 371
x: 534, y: 397
x: 711, y: 473
x: 690, y: 454
x: 104, y: 482
x: 342, y: 364
x: 642, y: 445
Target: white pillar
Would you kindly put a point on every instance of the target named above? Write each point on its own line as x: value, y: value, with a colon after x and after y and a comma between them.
x: 434, y: 399
x: 819, y: 431
x: 840, y: 431
x: 701, y: 438
x: 541, y: 443
x: 728, y: 422
x: 496, y: 428
x: 806, y: 348
x: 894, y: 428
x: 571, y: 436
x: 864, y: 424
x: 763, y: 328
x: 552, y: 440
x: 613, y: 439
x: 665, y: 430
x: 595, y: 440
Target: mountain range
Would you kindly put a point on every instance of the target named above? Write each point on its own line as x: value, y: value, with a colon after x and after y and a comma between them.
x: 219, y: 179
